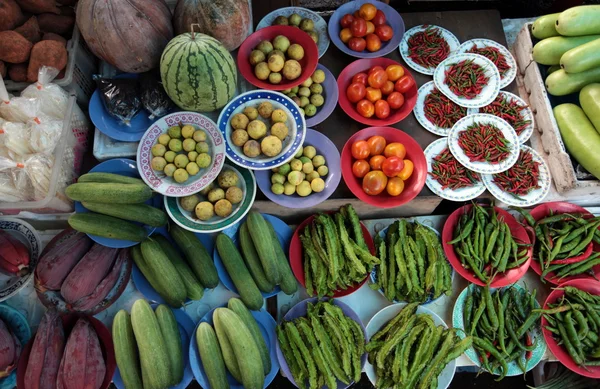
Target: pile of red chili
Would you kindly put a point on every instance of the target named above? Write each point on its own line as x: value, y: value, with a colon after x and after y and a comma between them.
x: 494, y: 55
x: 522, y: 178
x: 509, y: 110
x: 450, y: 173
x: 441, y: 111
x: 465, y: 78
x: 484, y: 143
x: 428, y: 47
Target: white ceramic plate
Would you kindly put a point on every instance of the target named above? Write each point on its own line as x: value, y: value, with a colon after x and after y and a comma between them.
x: 453, y: 43
x: 419, y: 111
x: 463, y: 194
x: 489, y: 91
x: 533, y: 197
x: 167, y: 186
x: 527, y: 114
x: 510, y: 74
x: 320, y: 24
x: 484, y: 167
x: 388, y: 313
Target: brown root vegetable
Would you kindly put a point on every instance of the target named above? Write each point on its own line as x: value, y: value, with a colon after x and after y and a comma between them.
x: 14, y: 48
x: 50, y: 36
x: 46, y: 53
x: 10, y: 15
x: 18, y: 72
x: 30, y: 30
x: 39, y: 6
x: 3, y: 69
x: 67, y: 11
x: 58, y: 24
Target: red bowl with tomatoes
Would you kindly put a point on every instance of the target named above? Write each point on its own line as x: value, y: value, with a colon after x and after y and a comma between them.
x: 383, y: 166
x: 377, y: 91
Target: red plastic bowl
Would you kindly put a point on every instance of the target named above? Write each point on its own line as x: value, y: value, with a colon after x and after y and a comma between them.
x: 106, y: 343
x: 295, y: 35
x: 363, y: 65
x: 412, y: 186
x: 590, y: 286
x: 297, y: 257
x: 503, y: 279
x: 543, y: 210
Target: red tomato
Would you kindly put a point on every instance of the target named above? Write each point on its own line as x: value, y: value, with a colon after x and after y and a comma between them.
x: 360, y: 150
x: 360, y: 168
x: 356, y: 14
x: 374, y: 182
x: 404, y: 84
x: 376, y: 161
x: 382, y: 109
x: 365, y: 108
x: 373, y: 42
x: 395, y: 149
x: 392, y: 166
x: 346, y: 20
x: 367, y: 11
x: 345, y: 35
x: 379, y: 18
x: 395, y: 100
x: 357, y: 44
x: 395, y: 186
x: 370, y: 28
x: 359, y: 27
x: 407, y: 171
x: 378, y: 78
x: 384, y: 32
x: 377, y: 67
x: 376, y: 144
x: 394, y: 72
x: 360, y: 77
x: 356, y: 92
x: 373, y: 94
x: 387, y: 88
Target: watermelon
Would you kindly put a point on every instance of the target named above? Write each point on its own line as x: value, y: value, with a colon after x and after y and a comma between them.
x: 198, y: 73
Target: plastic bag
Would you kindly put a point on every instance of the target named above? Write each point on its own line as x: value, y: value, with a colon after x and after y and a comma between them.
x: 121, y: 97
x: 8, y: 192
x: 45, y: 134
x: 154, y: 98
x: 54, y: 100
x: 16, y: 138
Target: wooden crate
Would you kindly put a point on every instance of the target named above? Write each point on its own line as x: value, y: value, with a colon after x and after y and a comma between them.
x: 550, y: 144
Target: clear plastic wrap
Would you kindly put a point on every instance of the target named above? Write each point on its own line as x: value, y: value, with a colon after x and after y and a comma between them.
x: 39, y: 171
x: 16, y: 138
x: 44, y: 134
x: 8, y: 192
x: 154, y: 98
x: 53, y: 99
x: 121, y: 97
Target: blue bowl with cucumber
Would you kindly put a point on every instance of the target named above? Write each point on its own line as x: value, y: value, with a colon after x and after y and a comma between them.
x: 113, y: 206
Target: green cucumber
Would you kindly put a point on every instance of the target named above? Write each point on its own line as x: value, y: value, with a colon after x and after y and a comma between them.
x: 156, y: 366
x: 211, y: 357
x: 165, y: 273
x: 107, y: 226
x: 237, y: 270
x: 170, y: 333
x: 244, y: 348
x: 140, y: 262
x: 237, y: 306
x: 110, y: 193
x: 544, y: 26
x: 561, y: 83
x: 288, y: 282
x: 589, y: 99
x: 549, y: 51
x: 109, y: 178
x: 581, y: 58
x: 253, y: 261
x: 197, y: 257
x: 552, y: 69
x: 579, y: 136
x: 577, y: 21
x: 257, y: 226
x: 194, y: 288
x: 126, y: 352
x: 228, y: 354
x: 141, y: 213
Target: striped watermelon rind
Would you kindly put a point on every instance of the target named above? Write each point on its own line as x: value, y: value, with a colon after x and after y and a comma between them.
x: 198, y: 73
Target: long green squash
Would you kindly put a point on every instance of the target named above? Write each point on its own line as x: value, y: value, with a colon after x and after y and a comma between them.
x: 141, y: 213
x: 165, y: 274
x: 228, y: 354
x: 170, y: 332
x: 126, y: 352
x: 111, y: 193
x: 252, y: 260
x: 197, y: 257
x: 257, y: 226
x: 211, y: 357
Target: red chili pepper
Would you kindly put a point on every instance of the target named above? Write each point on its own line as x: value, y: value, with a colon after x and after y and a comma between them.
x: 494, y: 55
x: 428, y: 47
x: 465, y: 78
x: 522, y: 178
x: 509, y: 110
x: 441, y: 111
x: 528, y: 342
x: 450, y: 173
x: 483, y: 142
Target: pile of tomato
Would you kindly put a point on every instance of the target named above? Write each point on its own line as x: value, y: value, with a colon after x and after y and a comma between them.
x: 379, y: 91
x: 365, y: 29
x: 381, y: 165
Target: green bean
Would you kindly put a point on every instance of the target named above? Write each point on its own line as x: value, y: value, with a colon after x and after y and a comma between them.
x: 395, y: 275
x: 294, y: 336
x: 318, y: 357
x: 328, y: 351
x: 411, y: 267
x: 431, y: 370
x: 291, y: 356
x: 398, y: 321
x: 393, y: 341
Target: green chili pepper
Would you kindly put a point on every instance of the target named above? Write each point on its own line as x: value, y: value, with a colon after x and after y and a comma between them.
x: 464, y: 232
x: 569, y: 345
x: 491, y: 309
x: 485, y: 346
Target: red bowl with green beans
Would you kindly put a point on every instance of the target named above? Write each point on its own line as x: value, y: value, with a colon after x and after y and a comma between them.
x: 556, y: 208
x: 500, y: 280
x: 559, y: 351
